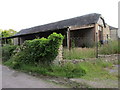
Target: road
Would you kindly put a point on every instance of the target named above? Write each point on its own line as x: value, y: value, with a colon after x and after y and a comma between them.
x: 15, y: 79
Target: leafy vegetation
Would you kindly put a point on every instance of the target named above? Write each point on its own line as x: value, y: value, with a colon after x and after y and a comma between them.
x: 79, y: 53
x: 37, y: 55
x: 7, y: 33
x: 37, y: 51
x: 87, y: 70
x: 7, y: 51
x: 68, y: 70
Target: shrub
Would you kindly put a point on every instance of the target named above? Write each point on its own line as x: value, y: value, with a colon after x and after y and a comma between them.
x: 7, y: 51
x: 38, y: 51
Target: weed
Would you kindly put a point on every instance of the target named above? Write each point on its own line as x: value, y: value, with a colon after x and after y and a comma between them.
x: 79, y: 53
x: 110, y: 48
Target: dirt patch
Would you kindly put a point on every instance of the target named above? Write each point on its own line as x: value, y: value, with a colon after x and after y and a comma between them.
x: 61, y: 81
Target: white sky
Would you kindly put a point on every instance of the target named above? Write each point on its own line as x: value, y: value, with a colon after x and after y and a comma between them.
x: 21, y: 14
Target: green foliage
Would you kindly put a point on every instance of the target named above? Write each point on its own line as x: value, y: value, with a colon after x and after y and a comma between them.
x: 87, y: 70
x: 68, y: 70
x: 35, y: 69
x: 73, y: 43
x: 38, y: 51
x: 81, y: 53
x: 78, y: 53
x: 7, y: 51
x: 7, y: 33
x: 96, y: 69
x: 110, y: 48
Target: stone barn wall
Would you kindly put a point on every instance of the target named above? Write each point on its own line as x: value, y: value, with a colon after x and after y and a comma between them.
x: 82, y: 37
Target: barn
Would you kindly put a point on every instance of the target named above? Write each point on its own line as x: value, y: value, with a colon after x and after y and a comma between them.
x: 81, y: 31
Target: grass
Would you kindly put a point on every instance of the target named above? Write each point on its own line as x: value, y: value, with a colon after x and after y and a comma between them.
x: 86, y: 70
x: 110, y: 48
x: 96, y: 69
x: 78, y: 53
x: 68, y: 70
x: 82, y: 53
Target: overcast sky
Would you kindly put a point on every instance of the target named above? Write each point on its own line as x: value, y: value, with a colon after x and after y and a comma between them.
x: 21, y: 14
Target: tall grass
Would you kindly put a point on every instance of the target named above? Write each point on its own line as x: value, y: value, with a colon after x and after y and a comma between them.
x: 110, y: 48
x: 78, y: 53
x: 81, y: 53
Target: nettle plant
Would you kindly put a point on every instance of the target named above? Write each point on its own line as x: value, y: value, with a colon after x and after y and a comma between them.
x: 38, y: 51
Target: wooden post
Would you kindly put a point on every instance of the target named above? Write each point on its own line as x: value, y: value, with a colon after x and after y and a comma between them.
x: 18, y: 40
x: 5, y: 41
x: 68, y: 38
x: 96, y: 45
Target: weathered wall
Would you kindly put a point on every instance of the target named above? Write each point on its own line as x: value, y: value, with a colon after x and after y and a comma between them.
x: 59, y: 57
x: 18, y: 40
x: 105, y: 31
x: 114, y: 34
x: 105, y: 58
x: 100, y: 21
x: 15, y: 41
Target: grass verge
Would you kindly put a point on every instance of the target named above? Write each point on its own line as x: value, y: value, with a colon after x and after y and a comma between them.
x: 68, y: 70
x: 87, y: 70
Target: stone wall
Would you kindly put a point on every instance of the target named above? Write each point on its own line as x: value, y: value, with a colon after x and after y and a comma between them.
x: 59, y: 57
x: 106, y: 58
x: 114, y: 34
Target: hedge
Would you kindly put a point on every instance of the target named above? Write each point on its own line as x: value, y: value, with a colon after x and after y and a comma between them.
x: 7, y: 51
x: 37, y: 51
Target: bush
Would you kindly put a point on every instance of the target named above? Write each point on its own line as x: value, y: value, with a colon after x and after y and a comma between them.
x: 38, y: 51
x: 7, y: 52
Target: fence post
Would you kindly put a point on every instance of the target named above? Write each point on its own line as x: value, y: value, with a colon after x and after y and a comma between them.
x: 96, y: 45
x: 68, y: 39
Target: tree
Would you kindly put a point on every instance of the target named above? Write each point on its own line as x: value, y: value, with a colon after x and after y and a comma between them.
x: 7, y: 33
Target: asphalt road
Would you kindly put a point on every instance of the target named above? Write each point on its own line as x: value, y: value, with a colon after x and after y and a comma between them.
x: 15, y: 79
